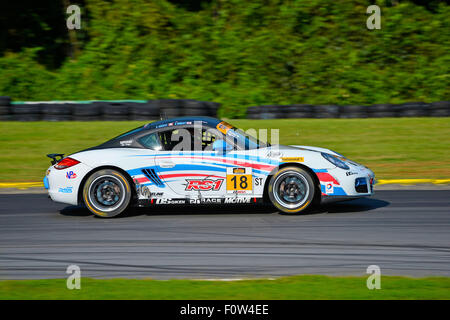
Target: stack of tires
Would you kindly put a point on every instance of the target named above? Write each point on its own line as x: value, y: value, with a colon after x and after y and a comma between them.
x: 144, y: 111
x: 105, y: 110
x: 5, y: 108
x: 26, y: 112
x: 410, y: 109
x: 440, y: 109
x: 381, y: 111
x: 113, y: 111
x: 351, y: 112
x: 326, y: 111
x: 86, y: 111
x: 56, y: 111
x: 280, y: 112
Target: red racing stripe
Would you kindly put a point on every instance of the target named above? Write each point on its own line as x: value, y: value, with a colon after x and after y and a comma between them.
x: 142, y: 180
x: 326, y: 177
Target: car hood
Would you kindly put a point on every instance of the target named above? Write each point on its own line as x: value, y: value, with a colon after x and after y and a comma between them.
x: 305, y: 148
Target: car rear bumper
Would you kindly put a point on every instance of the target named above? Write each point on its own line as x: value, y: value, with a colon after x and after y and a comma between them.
x: 63, y: 185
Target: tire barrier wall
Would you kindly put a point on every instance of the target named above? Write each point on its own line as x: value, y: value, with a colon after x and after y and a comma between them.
x: 122, y: 110
x: 410, y: 109
x: 119, y: 110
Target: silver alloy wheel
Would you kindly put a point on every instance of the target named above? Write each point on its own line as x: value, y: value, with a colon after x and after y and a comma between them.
x: 291, y: 189
x: 106, y: 193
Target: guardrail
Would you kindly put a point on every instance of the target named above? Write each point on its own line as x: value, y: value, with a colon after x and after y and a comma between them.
x: 113, y: 110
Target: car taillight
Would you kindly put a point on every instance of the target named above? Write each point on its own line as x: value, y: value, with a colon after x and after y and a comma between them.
x: 66, y: 163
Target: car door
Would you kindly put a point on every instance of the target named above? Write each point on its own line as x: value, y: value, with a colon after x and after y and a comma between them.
x: 250, y: 165
x: 188, y: 166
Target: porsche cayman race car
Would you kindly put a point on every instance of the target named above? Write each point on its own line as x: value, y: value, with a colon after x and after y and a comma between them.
x: 201, y: 160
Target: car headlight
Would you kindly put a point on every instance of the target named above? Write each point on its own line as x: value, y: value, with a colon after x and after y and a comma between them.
x: 334, y: 160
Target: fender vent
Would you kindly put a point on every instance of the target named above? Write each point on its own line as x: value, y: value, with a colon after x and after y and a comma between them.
x: 152, y: 176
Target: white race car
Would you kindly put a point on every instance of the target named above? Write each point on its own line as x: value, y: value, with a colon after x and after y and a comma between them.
x: 201, y: 160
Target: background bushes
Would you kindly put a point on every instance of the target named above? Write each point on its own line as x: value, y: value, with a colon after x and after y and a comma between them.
x: 238, y: 53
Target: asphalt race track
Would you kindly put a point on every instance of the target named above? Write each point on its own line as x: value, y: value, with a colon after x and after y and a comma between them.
x: 403, y: 232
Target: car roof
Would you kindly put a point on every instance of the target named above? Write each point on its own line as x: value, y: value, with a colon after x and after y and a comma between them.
x: 212, y: 122
x: 174, y: 122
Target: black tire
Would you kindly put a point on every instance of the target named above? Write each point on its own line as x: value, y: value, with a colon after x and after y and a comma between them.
x: 86, y: 109
x: 254, y: 116
x: 171, y: 112
x: 4, y: 110
x: 197, y: 108
x: 5, y: 101
x: 26, y: 112
x: 412, y: 109
x: 303, y: 108
x: 253, y: 110
x: 6, y: 117
x: 87, y: 118
x: 26, y: 117
x: 440, y: 109
x: 138, y: 117
x: 147, y: 110
x: 351, y: 112
x: 270, y: 112
x: 24, y: 109
x: 300, y: 181
x: 170, y: 108
x: 114, y: 109
x: 192, y: 104
x: 107, y: 193
x: 115, y: 117
x: 197, y: 112
x: 213, y: 107
x: 381, y: 111
x: 56, y: 117
x: 56, y: 109
x: 326, y: 111
x: 170, y: 103
x: 295, y: 115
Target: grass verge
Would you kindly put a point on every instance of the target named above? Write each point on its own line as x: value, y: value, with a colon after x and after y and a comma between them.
x: 286, y: 288
x: 392, y: 147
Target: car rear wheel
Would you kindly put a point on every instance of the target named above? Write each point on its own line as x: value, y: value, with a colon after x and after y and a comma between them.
x: 291, y: 190
x: 107, y: 193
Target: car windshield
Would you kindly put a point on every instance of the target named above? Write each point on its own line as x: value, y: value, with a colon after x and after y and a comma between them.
x: 244, y: 140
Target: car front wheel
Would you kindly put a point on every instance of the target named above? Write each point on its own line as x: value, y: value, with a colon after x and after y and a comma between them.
x: 107, y: 193
x: 291, y: 190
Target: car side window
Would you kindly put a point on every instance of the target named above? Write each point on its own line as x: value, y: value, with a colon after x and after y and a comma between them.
x: 189, y: 139
x: 169, y: 139
x: 151, y: 141
x: 208, y: 138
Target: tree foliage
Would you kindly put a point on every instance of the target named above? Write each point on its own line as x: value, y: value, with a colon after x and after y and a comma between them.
x: 243, y: 53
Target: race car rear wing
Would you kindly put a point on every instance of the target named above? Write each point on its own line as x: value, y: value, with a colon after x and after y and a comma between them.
x: 54, y: 157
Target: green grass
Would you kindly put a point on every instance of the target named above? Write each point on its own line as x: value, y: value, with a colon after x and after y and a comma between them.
x: 393, y: 148
x: 296, y: 287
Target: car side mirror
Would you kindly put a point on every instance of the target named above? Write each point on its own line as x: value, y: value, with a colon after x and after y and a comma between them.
x: 222, y: 146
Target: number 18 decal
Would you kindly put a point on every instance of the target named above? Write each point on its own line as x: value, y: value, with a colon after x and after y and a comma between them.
x: 239, y: 180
